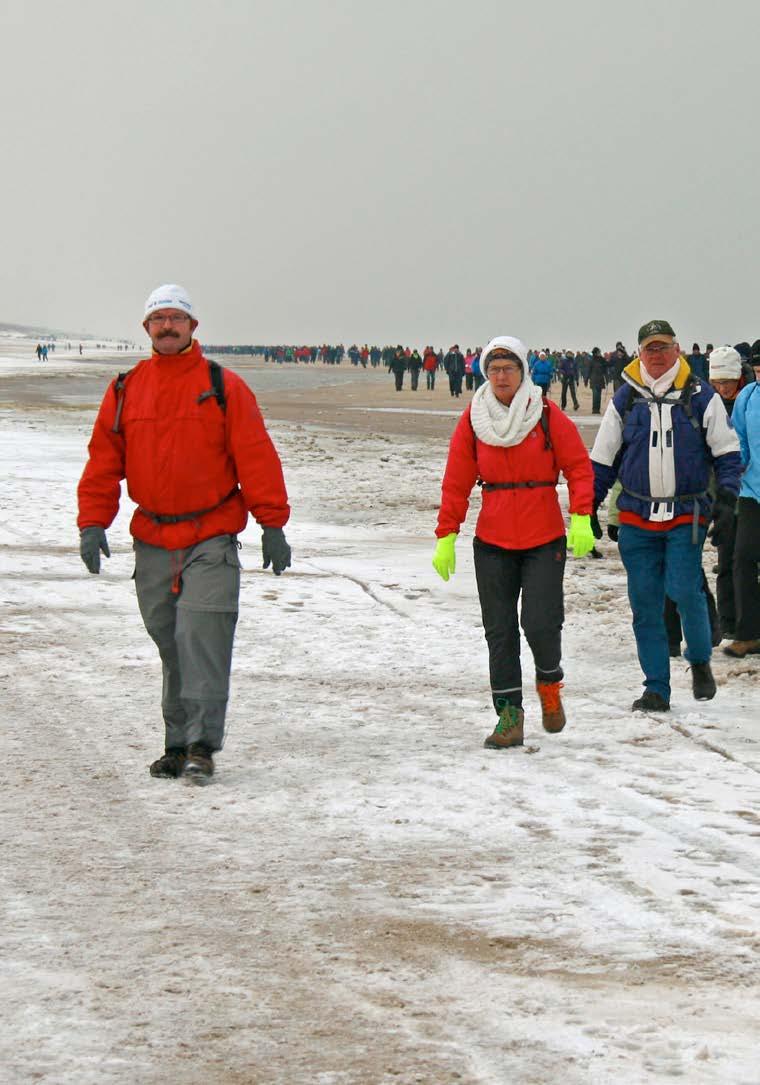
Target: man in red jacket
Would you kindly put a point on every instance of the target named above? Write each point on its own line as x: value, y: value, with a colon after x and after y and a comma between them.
x: 192, y: 445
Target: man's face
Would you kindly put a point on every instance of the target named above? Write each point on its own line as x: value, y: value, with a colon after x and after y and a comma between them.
x: 658, y: 357
x: 170, y: 330
x: 757, y: 372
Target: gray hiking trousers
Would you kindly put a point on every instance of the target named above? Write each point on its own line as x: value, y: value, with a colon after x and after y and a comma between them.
x: 189, y: 603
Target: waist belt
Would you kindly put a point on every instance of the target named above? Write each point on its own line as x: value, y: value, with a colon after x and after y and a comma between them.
x: 671, y: 501
x: 159, y: 518
x: 515, y: 485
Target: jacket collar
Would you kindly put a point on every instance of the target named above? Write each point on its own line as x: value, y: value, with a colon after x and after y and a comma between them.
x: 632, y: 375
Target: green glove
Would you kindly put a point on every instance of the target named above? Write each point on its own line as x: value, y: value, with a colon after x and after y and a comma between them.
x: 580, y: 537
x: 444, y: 558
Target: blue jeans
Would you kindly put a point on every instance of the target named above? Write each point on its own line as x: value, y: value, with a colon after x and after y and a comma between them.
x: 660, y: 563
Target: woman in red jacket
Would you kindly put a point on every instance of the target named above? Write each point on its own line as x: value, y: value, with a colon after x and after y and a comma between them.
x: 514, y: 444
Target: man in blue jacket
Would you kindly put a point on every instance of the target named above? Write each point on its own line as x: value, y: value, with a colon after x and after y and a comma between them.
x: 662, y: 433
x: 568, y: 371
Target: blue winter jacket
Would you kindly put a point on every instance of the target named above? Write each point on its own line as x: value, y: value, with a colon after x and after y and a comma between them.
x: 542, y: 372
x: 746, y: 421
x: 568, y: 367
x: 663, y: 458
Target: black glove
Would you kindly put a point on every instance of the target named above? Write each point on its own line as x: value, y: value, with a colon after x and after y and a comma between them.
x: 275, y: 549
x: 612, y: 532
x: 723, y: 517
x: 91, y: 541
x: 596, y: 527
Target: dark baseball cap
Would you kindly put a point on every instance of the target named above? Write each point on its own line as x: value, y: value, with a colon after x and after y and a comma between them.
x: 656, y: 329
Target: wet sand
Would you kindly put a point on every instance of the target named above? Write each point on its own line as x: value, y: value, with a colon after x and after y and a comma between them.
x: 345, y: 397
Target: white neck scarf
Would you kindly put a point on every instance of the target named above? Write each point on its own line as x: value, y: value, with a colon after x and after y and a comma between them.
x: 660, y: 385
x: 496, y: 424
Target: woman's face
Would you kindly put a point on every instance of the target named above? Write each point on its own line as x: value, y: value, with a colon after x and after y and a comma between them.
x: 504, y: 375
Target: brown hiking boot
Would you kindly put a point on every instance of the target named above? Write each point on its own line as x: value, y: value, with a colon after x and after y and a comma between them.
x: 508, y: 731
x: 551, y: 706
x: 170, y: 765
x: 741, y: 648
x: 199, y: 765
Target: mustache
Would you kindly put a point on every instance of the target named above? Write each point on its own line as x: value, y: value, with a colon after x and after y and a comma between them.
x: 169, y: 335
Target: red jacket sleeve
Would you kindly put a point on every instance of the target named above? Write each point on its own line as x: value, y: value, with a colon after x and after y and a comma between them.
x: 100, y: 485
x: 256, y: 461
x: 459, y: 478
x: 573, y: 460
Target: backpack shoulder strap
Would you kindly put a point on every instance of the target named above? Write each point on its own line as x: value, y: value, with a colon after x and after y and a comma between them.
x: 217, y: 383
x: 688, y: 391
x: 216, y: 391
x: 545, y: 427
x: 632, y: 396
x: 119, y: 387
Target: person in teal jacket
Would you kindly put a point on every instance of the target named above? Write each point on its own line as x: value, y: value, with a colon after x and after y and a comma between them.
x: 746, y: 422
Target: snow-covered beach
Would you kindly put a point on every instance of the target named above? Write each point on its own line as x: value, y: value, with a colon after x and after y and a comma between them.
x: 364, y: 894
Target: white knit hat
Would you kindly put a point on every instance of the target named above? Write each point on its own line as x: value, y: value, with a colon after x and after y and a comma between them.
x: 505, y: 342
x: 725, y: 364
x: 169, y: 296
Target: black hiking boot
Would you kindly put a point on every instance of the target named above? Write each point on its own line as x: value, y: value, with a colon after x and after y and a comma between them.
x: 199, y: 765
x: 650, y: 701
x: 702, y: 682
x: 170, y: 765
x: 674, y: 649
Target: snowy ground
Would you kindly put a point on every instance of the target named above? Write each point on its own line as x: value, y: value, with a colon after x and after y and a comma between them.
x: 364, y: 894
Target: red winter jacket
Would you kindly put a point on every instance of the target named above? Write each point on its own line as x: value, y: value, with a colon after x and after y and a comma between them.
x: 430, y: 361
x: 524, y: 518
x: 180, y: 456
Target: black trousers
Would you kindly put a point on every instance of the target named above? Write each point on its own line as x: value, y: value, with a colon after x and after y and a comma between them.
x: 746, y: 572
x: 568, y: 383
x: 503, y: 576
x: 596, y: 399
x: 724, y: 582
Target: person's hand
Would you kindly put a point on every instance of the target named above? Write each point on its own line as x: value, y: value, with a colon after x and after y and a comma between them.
x: 724, y: 511
x: 612, y: 532
x: 91, y: 541
x: 444, y: 558
x: 580, y: 537
x: 596, y: 527
x: 275, y: 549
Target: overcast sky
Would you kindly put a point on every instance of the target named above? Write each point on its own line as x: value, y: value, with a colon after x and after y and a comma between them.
x: 411, y: 170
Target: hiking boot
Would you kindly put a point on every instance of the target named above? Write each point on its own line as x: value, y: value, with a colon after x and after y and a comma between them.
x: 508, y: 731
x: 741, y: 648
x: 674, y: 650
x: 551, y: 706
x: 171, y: 764
x: 650, y: 701
x: 702, y: 682
x: 199, y: 764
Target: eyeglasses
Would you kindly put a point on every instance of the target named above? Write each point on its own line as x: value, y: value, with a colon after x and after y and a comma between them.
x: 173, y: 318
x: 657, y: 347
x: 494, y: 370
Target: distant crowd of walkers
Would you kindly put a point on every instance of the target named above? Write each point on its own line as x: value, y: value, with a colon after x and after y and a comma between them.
x: 595, y: 369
